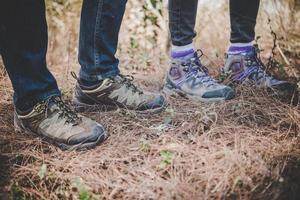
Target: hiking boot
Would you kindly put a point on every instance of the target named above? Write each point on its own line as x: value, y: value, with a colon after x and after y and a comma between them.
x: 54, y: 121
x: 117, y: 92
x: 189, y: 78
x: 247, y: 68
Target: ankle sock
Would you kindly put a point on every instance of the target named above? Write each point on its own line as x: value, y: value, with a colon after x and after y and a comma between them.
x: 237, y: 48
x: 182, y: 51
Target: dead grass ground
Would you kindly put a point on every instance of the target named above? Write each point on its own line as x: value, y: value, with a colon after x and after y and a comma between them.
x: 247, y: 148
x: 240, y: 149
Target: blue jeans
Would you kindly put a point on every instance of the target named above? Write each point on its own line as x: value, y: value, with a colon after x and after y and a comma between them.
x: 24, y: 38
x: 182, y: 14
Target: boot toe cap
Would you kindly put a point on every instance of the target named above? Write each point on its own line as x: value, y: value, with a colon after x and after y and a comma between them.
x: 94, y: 135
x: 155, y: 103
x: 225, y: 93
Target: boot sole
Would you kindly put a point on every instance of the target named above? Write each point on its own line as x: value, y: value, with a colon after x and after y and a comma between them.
x: 79, y: 147
x: 83, y: 107
x: 178, y: 93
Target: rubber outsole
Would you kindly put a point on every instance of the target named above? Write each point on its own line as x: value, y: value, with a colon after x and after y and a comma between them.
x: 82, y: 107
x: 78, y: 147
x: 175, y: 93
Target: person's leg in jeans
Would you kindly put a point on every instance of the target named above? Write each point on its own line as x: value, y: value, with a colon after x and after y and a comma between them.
x: 100, y: 85
x: 99, y: 34
x: 39, y: 109
x: 23, y: 46
x: 187, y: 76
x: 242, y: 60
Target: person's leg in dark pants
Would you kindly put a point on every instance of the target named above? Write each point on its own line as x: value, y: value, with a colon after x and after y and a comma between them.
x: 99, y: 33
x: 100, y: 86
x: 243, y: 14
x: 242, y: 61
x: 39, y: 108
x: 23, y: 46
x: 187, y: 76
x: 182, y: 20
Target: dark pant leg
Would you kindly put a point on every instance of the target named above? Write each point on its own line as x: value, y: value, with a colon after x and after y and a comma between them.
x: 243, y: 14
x: 182, y: 19
x: 23, y: 46
x: 99, y: 31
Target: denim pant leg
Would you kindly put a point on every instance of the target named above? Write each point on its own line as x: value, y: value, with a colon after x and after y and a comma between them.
x: 23, y: 46
x: 182, y: 18
x: 99, y: 31
x: 243, y: 14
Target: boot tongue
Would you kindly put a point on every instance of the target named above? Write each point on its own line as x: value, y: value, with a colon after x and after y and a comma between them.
x: 118, y: 78
x: 193, y: 64
x: 55, y: 104
x: 52, y: 105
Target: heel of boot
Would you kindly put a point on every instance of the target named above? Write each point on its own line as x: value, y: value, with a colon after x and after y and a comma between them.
x: 17, y: 126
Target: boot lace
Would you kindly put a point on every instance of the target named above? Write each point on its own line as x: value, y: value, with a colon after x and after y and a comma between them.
x: 128, y: 81
x: 254, y: 70
x: 196, y: 70
x: 66, y: 112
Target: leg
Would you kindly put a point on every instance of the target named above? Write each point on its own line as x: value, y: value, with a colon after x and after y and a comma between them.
x: 243, y: 14
x: 182, y: 19
x: 187, y: 76
x: 99, y: 31
x: 40, y: 110
x: 242, y: 63
x: 100, y: 85
x: 23, y: 46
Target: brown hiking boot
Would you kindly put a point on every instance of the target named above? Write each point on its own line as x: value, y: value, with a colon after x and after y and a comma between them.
x: 118, y: 92
x: 54, y: 121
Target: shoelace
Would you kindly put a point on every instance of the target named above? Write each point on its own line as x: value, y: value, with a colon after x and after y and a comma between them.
x: 128, y: 81
x: 254, y: 68
x: 197, y: 70
x: 64, y: 110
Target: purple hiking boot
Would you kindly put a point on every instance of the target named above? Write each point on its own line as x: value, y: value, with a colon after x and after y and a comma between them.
x: 245, y: 67
x: 189, y: 78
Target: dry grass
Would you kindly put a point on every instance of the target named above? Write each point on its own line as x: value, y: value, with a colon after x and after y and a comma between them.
x: 238, y: 149
x: 2, y: 71
x: 247, y: 148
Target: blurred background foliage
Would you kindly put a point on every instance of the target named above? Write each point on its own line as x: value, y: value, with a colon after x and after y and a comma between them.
x: 144, y: 35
